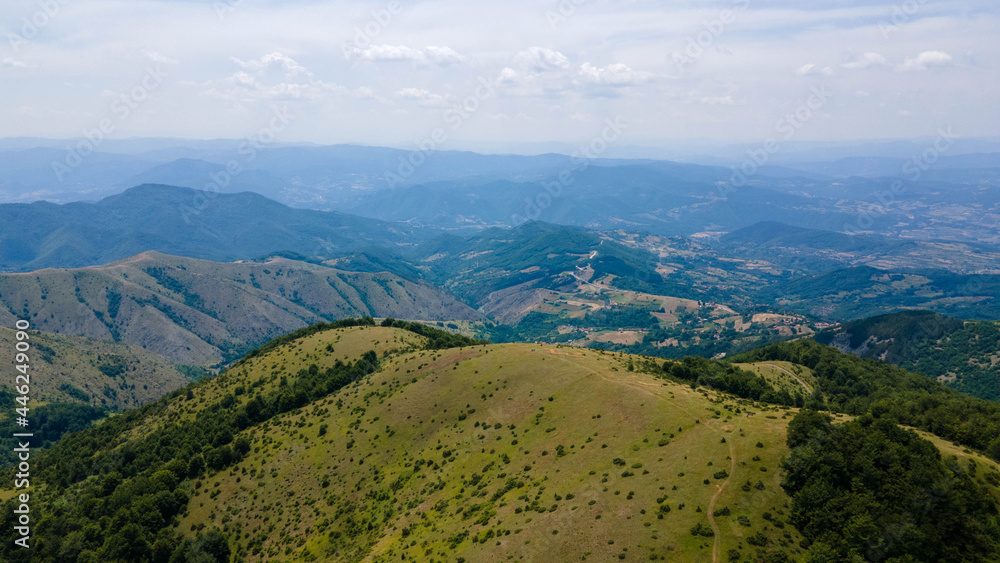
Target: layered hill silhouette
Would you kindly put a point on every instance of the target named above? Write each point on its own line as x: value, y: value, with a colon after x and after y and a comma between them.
x: 660, y: 197
x: 180, y: 221
x: 208, y: 313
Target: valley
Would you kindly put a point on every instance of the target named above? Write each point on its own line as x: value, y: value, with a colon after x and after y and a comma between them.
x: 474, y: 282
x: 220, y: 376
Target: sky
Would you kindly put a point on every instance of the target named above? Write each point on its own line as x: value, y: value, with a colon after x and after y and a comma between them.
x: 444, y: 74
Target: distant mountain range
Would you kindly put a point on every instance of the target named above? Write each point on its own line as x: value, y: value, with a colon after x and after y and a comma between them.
x: 877, y: 192
x: 305, y: 175
x: 815, y: 250
x: 207, y: 313
x: 882, y: 166
x: 180, y: 221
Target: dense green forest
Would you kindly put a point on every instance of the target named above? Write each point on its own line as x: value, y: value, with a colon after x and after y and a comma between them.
x: 868, y: 490
x: 49, y: 423
x: 731, y: 379
x: 862, y: 291
x: 931, y: 344
x: 858, y: 386
x: 537, y: 326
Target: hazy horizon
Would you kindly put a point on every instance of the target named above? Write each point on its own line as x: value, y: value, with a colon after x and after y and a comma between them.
x: 394, y: 73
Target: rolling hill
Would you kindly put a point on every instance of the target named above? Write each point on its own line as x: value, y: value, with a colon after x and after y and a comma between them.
x: 817, y: 251
x: 180, y: 221
x: 72, y: 369
x: 863, y: 291
x: 496, y: 263
x: 208, y: 313
x: 356, y: 442
x: 961, y: 354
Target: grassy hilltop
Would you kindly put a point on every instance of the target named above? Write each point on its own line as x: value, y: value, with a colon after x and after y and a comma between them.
x: 404, y: 443
x: 582, y: 460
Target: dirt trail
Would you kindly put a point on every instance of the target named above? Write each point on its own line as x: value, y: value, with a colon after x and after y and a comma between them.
x: 715, y: 497
x: 643, y: 386
x: 795, y: 377
x: 555, y: 352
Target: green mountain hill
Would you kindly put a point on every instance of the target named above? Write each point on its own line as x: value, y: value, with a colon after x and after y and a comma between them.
x: 816, y: 251
x: 181, y: 221
x: 356, y: 442
x: 207, y: 313
x: 72, y: 369
x: 863, y: 291
x: 961, y: 354
x: 497, y: 269
x: 810, y: 250
x: 540, y: 255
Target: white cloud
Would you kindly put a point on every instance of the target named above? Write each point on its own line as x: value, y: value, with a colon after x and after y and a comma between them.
x: 442, y: 56
x: 366, y: 93
x: 414, y: 94
x: 275, y: 61
x: 617, y: 74
x: 507, y: 76
x: 718, y: 101
x: 926, y: 60
x: 431, y: 55
x: 867, y: 60
x: 540, y: 59
x: 156, y: 57
x: 388, y: 53
x: 422, y: 97
x: 274, y: 76
x: 812, y: 68
x: 294, y: 50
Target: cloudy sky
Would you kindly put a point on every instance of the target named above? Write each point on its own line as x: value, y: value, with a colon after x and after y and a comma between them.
x: 393, y: 73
